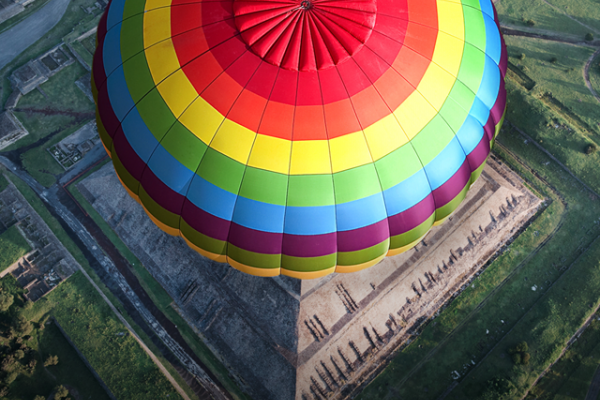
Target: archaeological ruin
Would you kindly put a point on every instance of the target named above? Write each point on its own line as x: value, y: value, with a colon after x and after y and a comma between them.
x: 289, y: 339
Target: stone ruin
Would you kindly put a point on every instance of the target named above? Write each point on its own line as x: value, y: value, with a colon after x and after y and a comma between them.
x: 49, y: 263
x: 37, y: 71
x: 286, y: 339
x: 11, y: 129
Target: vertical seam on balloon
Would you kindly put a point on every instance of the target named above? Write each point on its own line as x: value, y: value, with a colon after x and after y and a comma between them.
x: 246, y: 165
x: 287, y: 192
x: 330, y: 165
x: 368, y: 148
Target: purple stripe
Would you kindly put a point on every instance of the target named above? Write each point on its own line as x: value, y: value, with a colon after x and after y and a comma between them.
x: 204, y: 222
x: 310, y: 245
x: 255, y: 241
x: 128, y: 157
x: 453, y: 186
x: 489, y: 128
x: 365, y: 237
x: 479, y: 154
x: 411, y: 218
x: 161, y: 193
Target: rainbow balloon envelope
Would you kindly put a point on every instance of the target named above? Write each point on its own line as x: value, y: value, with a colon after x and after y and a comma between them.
x: 299, y: 137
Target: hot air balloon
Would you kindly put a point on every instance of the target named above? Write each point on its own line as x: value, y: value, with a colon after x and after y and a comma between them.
x: 299, y: 137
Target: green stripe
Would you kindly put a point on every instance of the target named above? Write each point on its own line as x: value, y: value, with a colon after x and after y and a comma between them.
x: 474, y: 28
x: 129, y: 181
x: 475, y: 174
x: 252, y: 259
x: 265, y: 186
x: 157, y: 211
x: 186, y: 147
x: 308, y: 264
x: 221, y: 171
x: 430, y: 142
x: 397, y: 166
x: 310, y: 191
x: 356, y: 183
x: 364, y: 255
x: 199, y: 239
x: 471, y: 68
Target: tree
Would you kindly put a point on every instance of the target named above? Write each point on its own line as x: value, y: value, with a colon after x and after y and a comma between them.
x: 522, y: 347
x: 61, y: 393
x: 525, y: 358
x: 19, y: 354
x: 530, y: 22
x: 6, y: 300
x: 590, y: 148
x: 589, y: 36
x: 51, y: 360
x: 522, y: 56
x: 516, y: 358
x: 553, y: 60
x: 38, y: 397
x: 22, y: 326
x: 10, y: 378
x: 8, y: 364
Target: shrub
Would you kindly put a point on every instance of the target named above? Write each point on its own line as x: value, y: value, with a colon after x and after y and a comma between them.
x: 19, y: 354
x: 516, y: 357
x: 22, y: 326
x: 530, y: 22
x: 38, y: 397
x: 590, y: 148
x: 525, y: 358
x: 6, y: 300
x: 61, y: 393
x: 589, y: 36
x: 522, y: 347
x: 553, y: 60
x: 51, y: 360
x: 522, y: 56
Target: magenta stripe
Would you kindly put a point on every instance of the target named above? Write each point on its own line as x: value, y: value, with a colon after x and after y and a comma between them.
x: 256, y: 241
x: 362, y: 238
x: 167, y: 198
x: 411, y: 218
x: 204, y: 222
x: 128, y: 157
x: 309, y: 246
x: 453, y: 186
x: 479, y: 154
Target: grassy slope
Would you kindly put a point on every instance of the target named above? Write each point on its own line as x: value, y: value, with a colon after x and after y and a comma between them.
x: 3, y: 181
x: 585, y: 11
x: 116, y: 356
x: 12, y: 247
x: 563, y: 78
x: 162, y: 299
x: 517, y: 12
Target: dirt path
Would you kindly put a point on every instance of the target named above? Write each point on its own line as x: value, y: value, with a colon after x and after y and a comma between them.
x: 586, y: 74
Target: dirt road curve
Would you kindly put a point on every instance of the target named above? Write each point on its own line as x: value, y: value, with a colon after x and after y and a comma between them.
x: 15, y: 40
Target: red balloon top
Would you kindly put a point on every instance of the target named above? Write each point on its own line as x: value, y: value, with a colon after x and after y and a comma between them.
x: 305, y: 35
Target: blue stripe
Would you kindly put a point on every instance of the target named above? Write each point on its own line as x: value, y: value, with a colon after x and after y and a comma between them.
x: 479, y: 111
x: 486, y: 7
x: 407, y: 193
x: 115, y: 13
x: 138, y: 135
x: 310, y: 220
x: 493, y: 44
x: 111, y: 50
x: 170, y: 171
x: 258, y: 215
x: 360, y: 213
x: 445, y: 164
x: 118, y: 93
x: 469, y: 135
x: 490, y: 84
x: 211, y: 198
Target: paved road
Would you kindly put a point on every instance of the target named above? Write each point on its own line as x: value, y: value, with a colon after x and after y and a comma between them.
x: 19, y: 37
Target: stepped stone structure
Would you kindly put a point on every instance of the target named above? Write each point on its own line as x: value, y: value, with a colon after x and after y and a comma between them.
x: 287, y: 339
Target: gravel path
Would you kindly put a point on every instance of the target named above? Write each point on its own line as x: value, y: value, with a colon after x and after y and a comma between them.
x: 15, y: 40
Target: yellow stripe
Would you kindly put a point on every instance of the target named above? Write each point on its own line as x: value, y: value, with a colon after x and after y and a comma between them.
x: 308, y: 274
x: 307, y: 157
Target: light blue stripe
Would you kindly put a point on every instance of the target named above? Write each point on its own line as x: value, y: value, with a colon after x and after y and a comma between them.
x: 479, y: 111
x: 445, y: 164
x: 138, y: 135
x: 111, y: 50
x: 486, y: 7
x: 258, y: 215
x: 360, y: 213
x: 407, y: 193
x: 310, y: 220
x: 118, y: 93
x: 490, y: 84
x: 115, y: 13
x: 470, y: 134
x: 211, y: 198
x: 170, y: 171
x: 493, y: 44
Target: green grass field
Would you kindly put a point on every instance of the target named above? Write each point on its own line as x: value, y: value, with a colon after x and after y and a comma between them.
x: 3, y: 181
x: 161, y: 298
x: 126, y: 369
x: 518, y: 12
x: 12, y: 247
